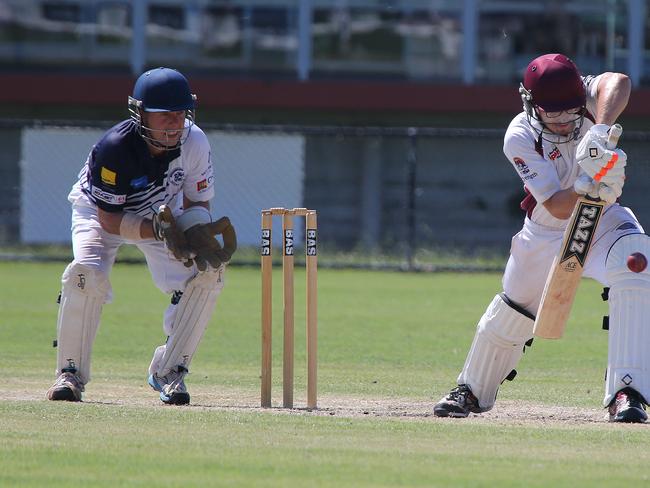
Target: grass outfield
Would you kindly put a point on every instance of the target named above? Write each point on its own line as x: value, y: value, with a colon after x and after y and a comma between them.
x: 390, y: 344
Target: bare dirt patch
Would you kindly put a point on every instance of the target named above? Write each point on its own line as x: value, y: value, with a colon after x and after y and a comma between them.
x: 505, y: 412
x: 234, y: 399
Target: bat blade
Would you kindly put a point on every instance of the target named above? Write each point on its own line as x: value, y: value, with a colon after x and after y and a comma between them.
x: 565, y: 274
x: 566, y: 271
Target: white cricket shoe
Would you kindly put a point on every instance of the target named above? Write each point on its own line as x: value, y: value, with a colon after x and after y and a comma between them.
x: 171, y: 386
x: 68, y: 387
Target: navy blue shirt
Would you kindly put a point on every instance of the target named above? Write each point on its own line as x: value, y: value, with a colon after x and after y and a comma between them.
x: 122, y: 175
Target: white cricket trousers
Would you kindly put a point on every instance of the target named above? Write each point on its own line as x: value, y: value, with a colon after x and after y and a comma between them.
x: 94, y: 247
x: 534, y: 248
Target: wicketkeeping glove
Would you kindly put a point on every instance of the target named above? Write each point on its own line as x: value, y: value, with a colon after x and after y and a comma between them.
x: 202, y: 241
x: 165, y: 229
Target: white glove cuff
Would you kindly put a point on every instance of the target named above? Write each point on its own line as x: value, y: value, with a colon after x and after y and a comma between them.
x: 192, y: 216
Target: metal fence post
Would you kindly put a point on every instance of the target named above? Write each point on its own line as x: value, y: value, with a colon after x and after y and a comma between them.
x: 139, y: 36
x: 412, y: 163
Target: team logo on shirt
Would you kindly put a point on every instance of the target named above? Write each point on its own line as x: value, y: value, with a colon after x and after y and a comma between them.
x: 201, y: 185
x: 522, y: 167
x: 554, y: 154
x: 177, y: 176
x: 109, y: 177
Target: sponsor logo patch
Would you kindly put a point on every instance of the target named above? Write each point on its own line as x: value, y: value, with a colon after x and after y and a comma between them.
x: 554, y: 154
x: 109, y: 177
x: 201, y: 185
x: 521, y: 165
x: 106, y: 197
x: 138, y: 183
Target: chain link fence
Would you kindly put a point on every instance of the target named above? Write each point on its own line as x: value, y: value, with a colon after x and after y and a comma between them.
x: 409, y: 198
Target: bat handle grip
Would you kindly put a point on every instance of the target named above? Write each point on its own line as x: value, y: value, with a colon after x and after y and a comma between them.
x: 615, y: 132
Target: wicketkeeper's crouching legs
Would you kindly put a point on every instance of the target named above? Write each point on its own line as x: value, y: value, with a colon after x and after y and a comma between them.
x: 628, y: 367
x: 185, y: 324
x: 84, y: 291
x: 498, y: 345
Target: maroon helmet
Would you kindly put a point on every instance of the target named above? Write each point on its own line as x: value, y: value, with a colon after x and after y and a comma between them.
x: 552, y: 83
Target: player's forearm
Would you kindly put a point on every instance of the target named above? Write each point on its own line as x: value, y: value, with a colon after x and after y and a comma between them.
x: 613, y: 94
x: 126, y: 225
x: 146, y: 229
x: 561, y: 204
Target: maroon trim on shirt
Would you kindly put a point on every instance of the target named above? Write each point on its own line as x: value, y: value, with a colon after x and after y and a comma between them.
x: 538, y: 145
x: 528, y: 203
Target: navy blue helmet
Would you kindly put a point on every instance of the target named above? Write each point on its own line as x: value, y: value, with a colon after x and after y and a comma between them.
x: 162, y: 90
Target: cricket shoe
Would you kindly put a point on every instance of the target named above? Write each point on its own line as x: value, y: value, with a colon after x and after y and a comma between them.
x: 628, y: 407
x: 171, y: 386
x: 68, y: 387
x: 459, y: 402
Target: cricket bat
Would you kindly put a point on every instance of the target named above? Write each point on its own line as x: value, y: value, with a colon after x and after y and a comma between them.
x: 566, y: 271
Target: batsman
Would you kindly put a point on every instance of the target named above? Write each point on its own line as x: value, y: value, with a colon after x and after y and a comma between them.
x: 558, y: 145
x: 148, y: 182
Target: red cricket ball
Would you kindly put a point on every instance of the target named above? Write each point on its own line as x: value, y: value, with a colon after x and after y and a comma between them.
x: 637, y: 262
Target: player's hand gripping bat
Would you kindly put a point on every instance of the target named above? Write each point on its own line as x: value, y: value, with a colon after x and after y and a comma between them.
x: 566, y: 271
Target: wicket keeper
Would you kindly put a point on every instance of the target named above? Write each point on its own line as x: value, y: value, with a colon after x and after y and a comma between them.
x: 147, y: 182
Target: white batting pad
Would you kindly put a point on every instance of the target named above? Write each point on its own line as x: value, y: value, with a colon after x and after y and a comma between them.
x: 628, y: 363
x: 157, y: 358
x: 497, y: 347
x: 84, y: 292
x: 193, y: 313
